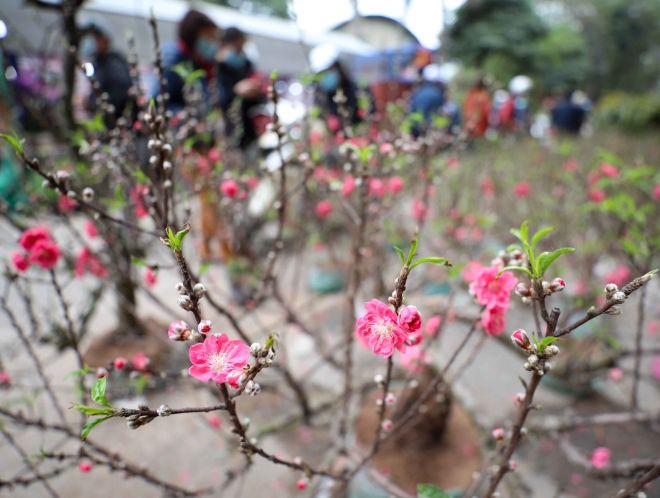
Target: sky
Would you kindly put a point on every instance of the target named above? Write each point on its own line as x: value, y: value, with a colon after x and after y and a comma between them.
x: 424, y: 17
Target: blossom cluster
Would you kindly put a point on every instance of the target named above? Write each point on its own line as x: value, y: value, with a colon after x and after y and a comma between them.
x: 494, y: 293
x: 40, y: 249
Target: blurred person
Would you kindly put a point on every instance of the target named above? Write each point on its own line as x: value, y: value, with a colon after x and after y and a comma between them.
x: 198, y: 44
x: 110, y: 69
x: 237, y: 79
x: 567, y: 116
x: 476, y: 110
x: 427, y: 99
x: 324, y: 62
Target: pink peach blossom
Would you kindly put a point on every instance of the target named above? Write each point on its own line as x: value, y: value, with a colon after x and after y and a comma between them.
x: 487, y: 186
x: 433, y: 325
x: 89, y: 262
x: 216, y: 357
x: 90, y: 229
x: 119, y: 363
x: 522, y: 189
x: 409, y: 319
x: 488, y: 289
x: 476, y: 234
x: 579, y: 288
x: 252, y: 182
x: 32, y: 235
x: 615, y: 374
x: 454, y: 214
x: 66, y: 204
x: 333, y: 123
x: 315, y: 137
x: 140, y: 361
x: 234, y: 378
x: 452, y: 162
x: 323, y: 209
x: 655, y: 367
x: 469, y: 219
x: 149, y: 278
x: 5, y: 380
x: 385, y: 148
x: 597, y: 195
x: 229, y: 188
x: 420, y: 210
x: 377, y: 187
x: 570, y: 165
x: 470, y: 270
x: 215, y: 155
x: 460, y: 233
x: 85, y: 466
x: 395, y: 184
x: 20, y: 261
x: 601, y: 457
x: 656, y: 192
x: 179, y: 331
x: 653, y: 327
x: 619, y: 276
x: 46, y: 253
x: 320, y: 174
x: 380, y: 330
x: 137, y: 194
x: 203, y: 165
x: 215, y: 421
x: 348, y: 186
x: 593, y: 178
x: 494, y: 318
x: 413, y: 359
x: 609, y: 170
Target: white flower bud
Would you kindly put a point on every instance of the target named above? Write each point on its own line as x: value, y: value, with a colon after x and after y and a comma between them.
x: 167, y: 166
x: 199, y: 290
x: 167, y: 150
x: 552, y: 349
x: 254, y: 349
x: 379, y: 379
x: 390, y: 399
x: 619, y: 297
x: 546, y: 367
x: 528, y: 367
x: 184, y: 302
x: 533, y: 360
x: 611, y: 288
x: 88, y: 194
x: 180, y: 288
x: 252, y: 388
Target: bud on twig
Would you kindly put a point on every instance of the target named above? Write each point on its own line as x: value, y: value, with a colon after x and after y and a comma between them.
x: 521, y: 339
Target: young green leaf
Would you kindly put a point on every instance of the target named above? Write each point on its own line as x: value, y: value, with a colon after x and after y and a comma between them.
x: 545, y: 342
x: 401, y: 255
x: 98, y: 392
x: 137, y: 261
x: 90, y: 425
x: 413, y: 250
x: 90, y: 410
x: 430, y: 491
x: 515, y: 268
x: 524, y: 231
x: 436, y: 261
x: 540, y: 234
x: 550, y: 258
x: 83, y: 371
x: 203, y: 268
x: 14, y: 141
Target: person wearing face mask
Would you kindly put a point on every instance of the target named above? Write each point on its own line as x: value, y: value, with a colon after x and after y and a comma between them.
x: 331, y: 77
x: 198, y: 44
x: 110, y: 69
x: 237, y: 79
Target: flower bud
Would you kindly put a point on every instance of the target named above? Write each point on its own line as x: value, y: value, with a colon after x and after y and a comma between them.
x: 167, y: 150
x: 164, y: 411
x: 199, y: 290
x: 301, y: 484
x: 523, y: 432
x: 252, y: 388
x: 498, y: 434
x: 611, y: 288
x: 521, y: 339
x: 205, y: 326
x: 528, y: 367
x: 546, y: 367
x: 379, y: 379
x: 101, y: 372
x: 546, y: 287
x: 390, y: 399
x: 619, y: 297
x: 88, y: 194
x: 533, y: 360
x: 552, y: 350
x: 184, y: 302
x: 557, y: 285
x: 519, y: 398
x: 254, y: 349
x: 179, y: 331
x: 512, y: 465
x: 386, y: 425
x: 167, y: 184
x: 180, y: 288
x: 523, y: 291
x: 119, y: 363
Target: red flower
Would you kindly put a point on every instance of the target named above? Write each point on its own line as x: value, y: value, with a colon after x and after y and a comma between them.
x: 395, y: 184
x: 229, y: 188
x: 348, y: 186
x: 90, y: 229
x: 522, y: 189
x: 32, y: 235
x: 609, y: 170
x: 379, y: 329
x: 323, y: 209
x: 45, y: 253
x: 216, y: 357
x: 597, y: 195
x: 20, y: 261
x: 149, y: 277
x: 494, y: 318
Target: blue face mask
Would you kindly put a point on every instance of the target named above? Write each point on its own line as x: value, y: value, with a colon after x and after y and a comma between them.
x: 329, y: 81
x: 206, y: 49
x: 88, y: 46
x: 235, y: 59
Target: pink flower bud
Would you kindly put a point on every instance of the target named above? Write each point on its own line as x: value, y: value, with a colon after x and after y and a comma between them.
x: 386, y: 425
x: 101, y: 372
x: 395, y: 184
x: 557, y: 285
x: 520, y: 339
x: 390, y: 399
x: 21, y: 262
x: 179, y: 331
x: 498, y: 434
x: 301, y: 484
x: 85, y: 466
x: 119, y: 363
x: 229, y: 188
x: 519, y: 398
x: 323, y: 209
x: 512, y: 465
x: 523, y: 291
x: 409, y: 319
x: 205, y: 326
x: 234, y: 378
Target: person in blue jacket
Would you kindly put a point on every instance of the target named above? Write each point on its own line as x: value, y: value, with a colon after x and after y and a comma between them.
x: 428, y: 98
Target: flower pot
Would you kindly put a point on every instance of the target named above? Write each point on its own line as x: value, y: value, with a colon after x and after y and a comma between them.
x: 326, y: 280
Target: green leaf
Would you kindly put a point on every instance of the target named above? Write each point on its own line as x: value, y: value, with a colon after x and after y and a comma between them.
x: 550, y: 258
x: 83, y: 371
x: 413, y: 250
x: 14, y: 141
x: 90, y: 410
x: 524, y: 231
x: 401, y: 255
x: 119, y: 196
x: 540, y: 234
x: 546, y: 341
x: 435, y: 261
x: 515, y: 268
x: 430, y: 491
x: 140, y: 176
x: 98, y: 392
x: 90, y: 425
x: 137, y: 261
x: 203, y: 268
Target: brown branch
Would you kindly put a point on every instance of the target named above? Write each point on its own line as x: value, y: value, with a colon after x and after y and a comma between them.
x: 639, y: 484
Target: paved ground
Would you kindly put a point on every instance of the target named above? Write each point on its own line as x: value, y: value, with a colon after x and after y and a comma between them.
x: 189, y: 450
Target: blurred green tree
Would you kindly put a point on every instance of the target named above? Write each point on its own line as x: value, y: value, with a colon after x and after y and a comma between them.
x: 497, y: 35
